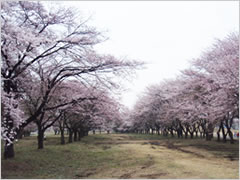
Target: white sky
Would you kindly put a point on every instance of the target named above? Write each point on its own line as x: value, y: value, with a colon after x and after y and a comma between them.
x: 165, y: 34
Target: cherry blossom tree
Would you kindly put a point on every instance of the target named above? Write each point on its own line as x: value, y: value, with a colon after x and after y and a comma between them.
x: 52, y: 42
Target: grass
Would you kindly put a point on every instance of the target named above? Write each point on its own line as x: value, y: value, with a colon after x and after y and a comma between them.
x: 123, y: 156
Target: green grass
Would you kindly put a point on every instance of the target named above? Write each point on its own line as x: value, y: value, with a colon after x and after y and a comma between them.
x: 123, y: 156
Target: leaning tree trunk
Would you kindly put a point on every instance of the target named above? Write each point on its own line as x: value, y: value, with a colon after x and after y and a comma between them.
x: 223, y: 133
x: 229, y: 132
x: 231, y: 136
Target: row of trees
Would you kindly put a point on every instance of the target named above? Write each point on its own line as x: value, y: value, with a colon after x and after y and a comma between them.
x: 203, y: 97
x: 51, y: 73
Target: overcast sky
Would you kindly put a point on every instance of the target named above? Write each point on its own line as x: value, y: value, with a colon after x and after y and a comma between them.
x: 165, y: 34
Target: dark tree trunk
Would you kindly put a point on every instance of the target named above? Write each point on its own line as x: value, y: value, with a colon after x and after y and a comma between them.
x: 223, y: 133
x: 208, y: 137
x: 172, y: 132
x: 79, y: 136
x: 27, y: 133
x: 166, y: 132
x: 40, y: 138
x: 20, y: 134
x: 229, y: 132
x: 108, y: 131
x: 93, y: 131
x: 9, y: 147
x: 186, y: 134
x: 231, y: 136
x: 8, y: 151
x: 196, y: 133
x: 218, y: 132
x: 191, y: 134
x: 70, y: 137
x: 218, y: 135
x: 62, y: 136
x: 178, y: 133
x: 203, y: 134
x: 75, y: 136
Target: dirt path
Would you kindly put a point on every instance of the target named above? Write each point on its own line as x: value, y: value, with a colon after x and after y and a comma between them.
x: 170, y: 158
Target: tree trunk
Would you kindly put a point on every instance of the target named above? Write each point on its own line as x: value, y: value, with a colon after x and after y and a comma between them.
x: 231, y: 136
x: 93, y: 131
x: 229, y: 132
x: 62, y: 137
x: 218, y: 133
x: 209, y: 132
x: 79, y: 136
x: 8, y: 151
x: 75, y: 136
x: 172, y: 132
x: 82, y: 134
x: 9, y: 147
x: 8, y: 125
x: 208, y: 137
x: 223, y: 133
x: 70, y: 137
x: 191, y: 134
x: 186, y: 134
x: 108, y: 131
x: 20, y: 134
x: 40, y: 138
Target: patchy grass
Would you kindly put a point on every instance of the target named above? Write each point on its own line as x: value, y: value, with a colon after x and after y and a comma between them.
x: 123, y: 156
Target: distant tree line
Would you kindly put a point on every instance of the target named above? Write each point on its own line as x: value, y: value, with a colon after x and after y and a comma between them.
x: 203, y: 97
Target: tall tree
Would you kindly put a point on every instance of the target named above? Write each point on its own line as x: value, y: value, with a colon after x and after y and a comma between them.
x: 53, y: 42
